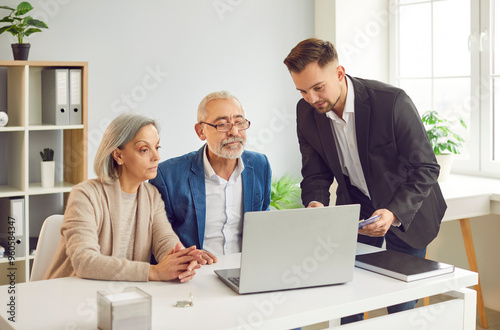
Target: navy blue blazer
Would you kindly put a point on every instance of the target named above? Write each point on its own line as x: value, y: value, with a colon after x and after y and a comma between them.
x: 181, y: 182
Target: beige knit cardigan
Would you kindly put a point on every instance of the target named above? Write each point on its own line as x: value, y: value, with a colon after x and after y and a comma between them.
x: 90, y: 228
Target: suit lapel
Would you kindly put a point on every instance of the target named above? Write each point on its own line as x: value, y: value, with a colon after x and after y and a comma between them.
x: 247, y: 180
x: 196, y: 183
x: 362, y: 117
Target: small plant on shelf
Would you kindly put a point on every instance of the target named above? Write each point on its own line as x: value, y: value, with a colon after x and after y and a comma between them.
x: 21, y: 26
x: 47, y: 155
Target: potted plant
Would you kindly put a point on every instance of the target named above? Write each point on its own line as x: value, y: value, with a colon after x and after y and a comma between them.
x: 48, y: 167
x: 445, y: 140
x: 21, y: 26
x: 285, y: 193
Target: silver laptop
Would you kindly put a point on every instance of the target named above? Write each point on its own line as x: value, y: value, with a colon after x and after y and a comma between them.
x: 296, y: 248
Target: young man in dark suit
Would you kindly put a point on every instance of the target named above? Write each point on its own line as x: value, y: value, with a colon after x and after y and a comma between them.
x: 368, y: 136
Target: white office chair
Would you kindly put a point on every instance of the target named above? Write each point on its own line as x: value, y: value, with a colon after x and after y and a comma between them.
x: 47, y: 245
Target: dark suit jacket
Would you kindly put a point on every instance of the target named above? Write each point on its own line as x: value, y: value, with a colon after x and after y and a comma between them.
x: 181, y: 182
x: 396, y: 156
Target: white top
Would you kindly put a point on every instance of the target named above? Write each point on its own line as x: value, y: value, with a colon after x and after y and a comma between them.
x: 128, y: 211
x: 344, y: 131
x: 224, y: 215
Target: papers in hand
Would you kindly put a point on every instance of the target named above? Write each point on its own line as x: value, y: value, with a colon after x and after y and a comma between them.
x: 402, y: 266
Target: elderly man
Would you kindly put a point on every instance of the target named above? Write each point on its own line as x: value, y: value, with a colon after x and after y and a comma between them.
x: 206, y: 192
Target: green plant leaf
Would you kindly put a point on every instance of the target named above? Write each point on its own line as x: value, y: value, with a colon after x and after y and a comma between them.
x: 430, y: 118
x: 23, y: 8
x: 37, y: 23
x: 285, y: 193
x: 457, y: 137
x: 441, y: 136
x: 13, y: 30
x: 30, y: 31
x: 5, y: 28
x: 19, y: 24
x: 442, y: 131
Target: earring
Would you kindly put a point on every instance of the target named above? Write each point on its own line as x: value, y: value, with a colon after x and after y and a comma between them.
x: 120, y: 163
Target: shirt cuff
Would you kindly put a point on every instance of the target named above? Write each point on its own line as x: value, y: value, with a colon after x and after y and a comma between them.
x: 396, y: 223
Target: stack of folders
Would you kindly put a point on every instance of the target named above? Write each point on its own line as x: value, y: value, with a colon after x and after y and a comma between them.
x: 62, y: 96
x: 12, y: 221
x: 402, y: 266
x: 128, y: 310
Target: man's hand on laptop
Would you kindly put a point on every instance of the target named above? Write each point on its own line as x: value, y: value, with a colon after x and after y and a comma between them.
x: 379, y: 228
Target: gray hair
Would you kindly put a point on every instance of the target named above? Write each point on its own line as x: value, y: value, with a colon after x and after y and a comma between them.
x: 220, y: 95
x: 121, y: 131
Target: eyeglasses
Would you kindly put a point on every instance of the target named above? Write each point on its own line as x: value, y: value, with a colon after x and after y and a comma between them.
x: 226, y: 127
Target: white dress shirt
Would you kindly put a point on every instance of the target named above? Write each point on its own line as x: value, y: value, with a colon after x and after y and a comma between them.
x: 344, y: 131
x: 224, y: 213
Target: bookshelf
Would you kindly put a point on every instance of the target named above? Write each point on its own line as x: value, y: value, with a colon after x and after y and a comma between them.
x: 20, y: 143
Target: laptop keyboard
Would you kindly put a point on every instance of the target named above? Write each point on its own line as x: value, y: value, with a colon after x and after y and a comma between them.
x: 235, y: 280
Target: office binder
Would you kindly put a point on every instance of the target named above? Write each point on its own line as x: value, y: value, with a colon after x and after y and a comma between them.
x: 55, y: 96
x: 12, y: 233
x: 75, y: 96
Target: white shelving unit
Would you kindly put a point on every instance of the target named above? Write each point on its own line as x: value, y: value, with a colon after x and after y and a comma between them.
x: 20, y: 143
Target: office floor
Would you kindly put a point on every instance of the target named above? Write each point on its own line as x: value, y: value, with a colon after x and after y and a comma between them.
x: 492, y: 316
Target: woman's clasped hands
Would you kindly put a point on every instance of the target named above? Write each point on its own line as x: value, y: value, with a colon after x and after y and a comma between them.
x: 180, y: 263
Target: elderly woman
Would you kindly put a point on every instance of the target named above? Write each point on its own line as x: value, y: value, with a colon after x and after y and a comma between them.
x: 113, y: 223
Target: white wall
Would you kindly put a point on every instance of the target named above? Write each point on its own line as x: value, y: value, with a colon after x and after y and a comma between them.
x: 363, y: 38
x: 162, y: 57
x: 361, y: 35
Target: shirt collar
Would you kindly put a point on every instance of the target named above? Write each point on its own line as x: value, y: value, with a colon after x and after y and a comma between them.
x: 210, y: 173
x: 348, y: 107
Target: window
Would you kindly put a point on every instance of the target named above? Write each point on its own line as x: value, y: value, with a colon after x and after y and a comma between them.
x: 446, y: 58
x: 495, y: 76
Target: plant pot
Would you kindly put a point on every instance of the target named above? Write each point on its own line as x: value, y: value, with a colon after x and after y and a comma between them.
x: 21, y: 51
x: 445, y: 161
x: 48, y: 172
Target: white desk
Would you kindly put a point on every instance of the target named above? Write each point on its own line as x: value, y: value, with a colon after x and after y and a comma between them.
x: 467, y: 197
x: 70, y: 303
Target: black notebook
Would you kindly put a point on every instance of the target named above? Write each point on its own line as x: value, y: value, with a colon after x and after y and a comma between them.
x: 402, y: 266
